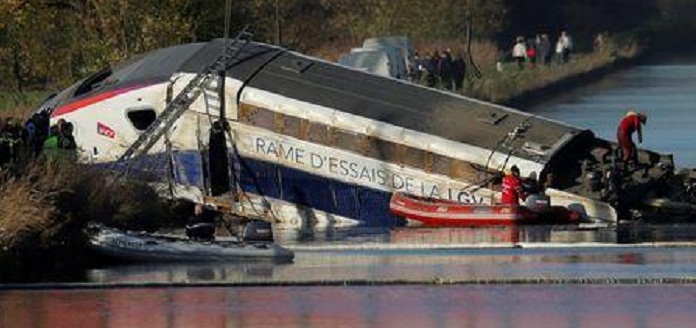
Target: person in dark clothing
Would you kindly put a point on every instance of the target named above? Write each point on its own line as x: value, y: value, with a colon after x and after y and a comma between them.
x: 66, y: 140
x: 37, y: 128
x: 201, y: 226
x: 459, y: 72
x: 544, y: 52
x: 435, y: 72
x: 218, y: 159
x: 11, y: 137
x: 445, y: 70
x: 15, y: 136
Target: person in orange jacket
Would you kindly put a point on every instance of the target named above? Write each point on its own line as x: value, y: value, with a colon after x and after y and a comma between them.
x: 512, y: 187
x: 631, y: 123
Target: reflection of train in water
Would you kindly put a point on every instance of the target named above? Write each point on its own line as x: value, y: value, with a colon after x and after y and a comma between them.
x: 499, y: 236
x: 316, y: 143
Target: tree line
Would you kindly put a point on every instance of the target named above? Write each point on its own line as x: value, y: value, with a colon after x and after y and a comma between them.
x: 51, y: 43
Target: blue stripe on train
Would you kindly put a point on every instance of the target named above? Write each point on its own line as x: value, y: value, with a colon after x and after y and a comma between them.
x: 357, y: 202
x: 291, y: 185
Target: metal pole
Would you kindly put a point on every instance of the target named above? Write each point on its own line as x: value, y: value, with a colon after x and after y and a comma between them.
x: 278, y: 39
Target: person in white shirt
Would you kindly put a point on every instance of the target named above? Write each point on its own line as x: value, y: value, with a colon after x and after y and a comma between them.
x: 519, y: 52
x: 566, y: 43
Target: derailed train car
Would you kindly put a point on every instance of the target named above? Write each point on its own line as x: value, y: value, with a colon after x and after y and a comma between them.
x: 312, y: 142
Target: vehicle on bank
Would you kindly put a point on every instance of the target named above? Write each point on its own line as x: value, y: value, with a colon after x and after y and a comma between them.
x: 305, y: 142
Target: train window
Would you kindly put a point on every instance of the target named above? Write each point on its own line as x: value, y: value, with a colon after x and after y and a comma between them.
x: 291, y: 126
x: 93, y: 82
x: 441, y: 164
x: 141, y: 118
x: 260, y: 117
x: 246, y: 112
x: 413, y: 157
x: 462, y: 170
x: 380, y: 149
x: 347, y: 140
x: 318, y: 133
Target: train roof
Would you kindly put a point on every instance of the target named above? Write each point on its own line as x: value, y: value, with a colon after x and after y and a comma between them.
x: 396, y: 102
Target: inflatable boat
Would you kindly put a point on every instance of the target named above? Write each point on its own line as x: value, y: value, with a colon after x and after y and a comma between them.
x: 437, y: 212
x: 143, y: 247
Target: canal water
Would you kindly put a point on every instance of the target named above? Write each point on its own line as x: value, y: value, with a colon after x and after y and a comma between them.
x: 665, y: 91
x: 504, y: 277
x: 547, y: 306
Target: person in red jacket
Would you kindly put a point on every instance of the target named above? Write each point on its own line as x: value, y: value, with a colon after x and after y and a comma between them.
x: 631, y: 123
x: 512, y: 187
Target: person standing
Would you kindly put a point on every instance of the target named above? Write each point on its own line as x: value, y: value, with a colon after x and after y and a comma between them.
x: 544, y: 52
x: 532, y: 54
x: 519, y: 52
x: 631, y: 123
x: 459, y: 72
x: 559, y: 51
x: 444, y: 68
x: 512, y: 187
x: 434, y: 74
x: 566, y: 46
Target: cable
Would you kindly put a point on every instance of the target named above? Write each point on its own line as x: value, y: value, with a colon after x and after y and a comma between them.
x: 228, y: 15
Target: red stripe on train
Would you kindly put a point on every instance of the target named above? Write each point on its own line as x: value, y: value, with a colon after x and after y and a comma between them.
x: 74, y: 106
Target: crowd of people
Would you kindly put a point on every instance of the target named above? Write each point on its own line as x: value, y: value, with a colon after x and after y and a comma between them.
x: 445, y: 70
x: 539, y: 50
x: 439, y: 69
x: 33, y: 138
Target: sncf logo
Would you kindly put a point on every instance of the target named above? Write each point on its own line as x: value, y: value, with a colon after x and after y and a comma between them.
x: 104, y: 130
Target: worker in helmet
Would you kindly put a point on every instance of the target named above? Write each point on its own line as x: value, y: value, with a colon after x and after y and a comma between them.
x: 631, y: 123
x: 512, y: 187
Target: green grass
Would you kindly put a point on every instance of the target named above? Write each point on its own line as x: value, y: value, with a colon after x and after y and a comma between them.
x: 512, y: 82
x: 13, y: 103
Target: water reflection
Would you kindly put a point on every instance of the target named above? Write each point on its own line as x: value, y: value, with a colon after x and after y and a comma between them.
x: 187, y: 273
x: 442, y: 236
x: 424, y: 265
x: 494, y: 236
x: 402, y: 306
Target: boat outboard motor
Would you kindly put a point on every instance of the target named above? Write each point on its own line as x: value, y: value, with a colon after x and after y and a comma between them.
x: 202, y: 231
x: 257, y: 230
x: 201, y: 226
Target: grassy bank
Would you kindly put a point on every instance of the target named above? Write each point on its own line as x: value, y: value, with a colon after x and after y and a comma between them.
x: 512, y: 83
x: 44, y: 206
x: 506, y: 83
x: 16, y: 104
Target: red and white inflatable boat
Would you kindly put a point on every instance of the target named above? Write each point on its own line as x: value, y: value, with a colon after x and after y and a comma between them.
x: 436, y: 212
